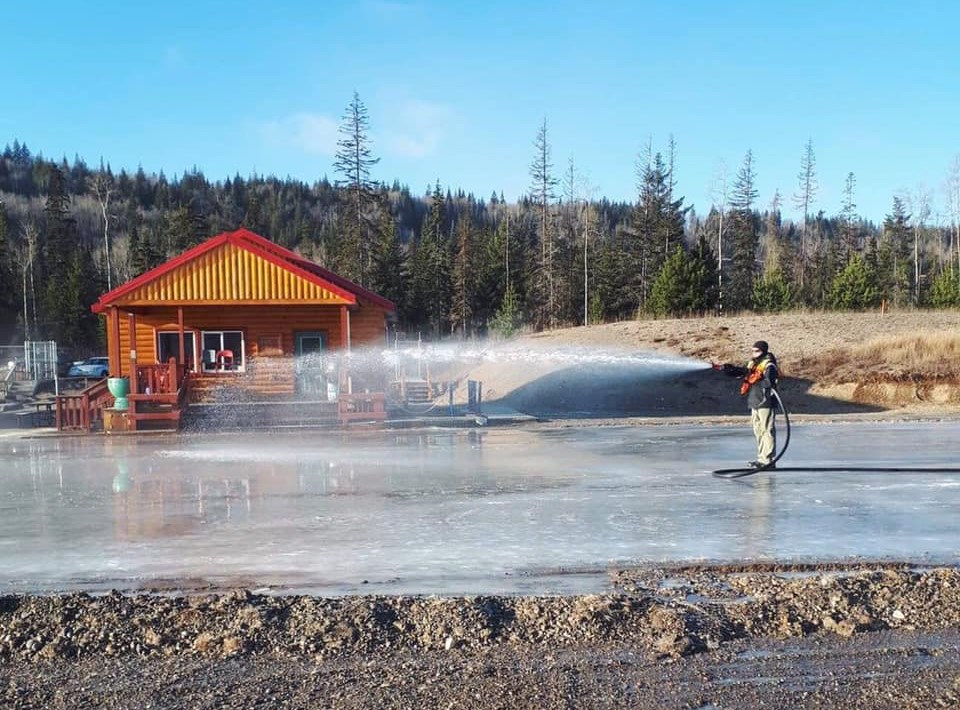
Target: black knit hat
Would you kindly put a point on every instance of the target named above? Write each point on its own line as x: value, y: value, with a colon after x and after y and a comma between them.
x: 762, y: 346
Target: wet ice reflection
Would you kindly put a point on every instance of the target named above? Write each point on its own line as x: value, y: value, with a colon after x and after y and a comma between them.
x: 478, y: 511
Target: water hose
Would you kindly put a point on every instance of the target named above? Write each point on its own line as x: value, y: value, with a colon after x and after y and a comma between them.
x: 741, y: 472
x: 730, y: 473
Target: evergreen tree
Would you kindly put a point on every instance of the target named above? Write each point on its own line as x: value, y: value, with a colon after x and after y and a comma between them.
x: 430, y: 277
x: 491, y: 274
x: 353, y: 162
x: 8, y: 281
x: 771, y: 243
x: 184, y: 228
x: 849, y: 222
x: 388, y: 276
x: 743, y: 229
x: 804, y: 199
x: 771, y: 293
x: 705, y: 268
x: 657, y: 225
x: 680, y: 287
x: 854, y: 288
x: 464, y: 282
x: 545, y: 278
x: 253, y: 215
x: 508, y: 318
x: 57, y: 251
x: 894, y: 256
x: 82, y: 289
x: 945, y: 290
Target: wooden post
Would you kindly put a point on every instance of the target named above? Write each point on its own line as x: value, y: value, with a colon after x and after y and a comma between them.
x: 132, y: 320
x: 113, y: 338
x: 183, y: 352
x: 344, y: 329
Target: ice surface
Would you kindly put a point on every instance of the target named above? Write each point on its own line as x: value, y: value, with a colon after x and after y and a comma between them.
x: 456, y: 512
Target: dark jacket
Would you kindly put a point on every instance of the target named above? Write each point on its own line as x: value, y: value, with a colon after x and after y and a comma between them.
x: 758, y: 393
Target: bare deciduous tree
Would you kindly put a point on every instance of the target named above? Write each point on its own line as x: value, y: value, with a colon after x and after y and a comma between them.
x: 952, y: 189
x: 719, y: 197
x: 25, y: 259
x: 102, y: 186
x: 919, y: 201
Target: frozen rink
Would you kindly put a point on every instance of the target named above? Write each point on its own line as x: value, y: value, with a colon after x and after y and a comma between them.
x: 537, y: 510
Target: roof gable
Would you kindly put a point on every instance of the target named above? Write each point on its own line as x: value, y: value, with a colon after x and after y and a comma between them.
x: 238, y: 268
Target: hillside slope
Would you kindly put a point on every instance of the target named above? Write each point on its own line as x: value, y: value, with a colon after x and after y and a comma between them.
x: 832, y: 363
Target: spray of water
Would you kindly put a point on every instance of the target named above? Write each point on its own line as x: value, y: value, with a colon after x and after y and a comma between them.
x: 421, y: 378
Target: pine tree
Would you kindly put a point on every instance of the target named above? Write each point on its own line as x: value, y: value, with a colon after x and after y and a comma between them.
x: 545, y: 280
x: 81, y: 290
x: 184, y: 228
x: 657, y: 224
x: 945, y: 290
x: 849, y: 222
x: 743, y: 229
x: 57, y: 252
x: 508, y: 318
x: 464, y: 282
x: 388, y: 274
x: 894, y: 256
x: 854, y: 288
x: 678, y: 288
x: 353, y: 162
x: 771, y: 293
x: 430, y: 277
x: 804, y: 199
x: 8, y: 285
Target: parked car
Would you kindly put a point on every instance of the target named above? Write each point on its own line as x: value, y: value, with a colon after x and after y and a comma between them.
x: 91, y: 367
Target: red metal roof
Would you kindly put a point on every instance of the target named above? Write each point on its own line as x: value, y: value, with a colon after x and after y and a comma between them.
x: 262, y: 248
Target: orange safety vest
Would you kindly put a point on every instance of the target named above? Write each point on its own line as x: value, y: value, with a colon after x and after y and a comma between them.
x: 754, y: 373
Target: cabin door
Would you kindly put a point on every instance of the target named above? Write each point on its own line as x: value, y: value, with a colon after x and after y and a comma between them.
x: 316, y: 374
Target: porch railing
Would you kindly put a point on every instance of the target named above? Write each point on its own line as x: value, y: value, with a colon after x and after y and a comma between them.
x: 79, y: 412
x: 164, y: 378
x: 166, y: 384
x: 364, y: 406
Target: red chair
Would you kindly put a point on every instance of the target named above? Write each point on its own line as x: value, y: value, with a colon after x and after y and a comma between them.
x: 225, y: 360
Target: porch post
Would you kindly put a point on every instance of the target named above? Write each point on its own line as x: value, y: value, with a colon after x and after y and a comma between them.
x: 183, y: 352
x: 132, y: 320
x: 345, y: 340
x: 344, y: 328
x: 113, y: 322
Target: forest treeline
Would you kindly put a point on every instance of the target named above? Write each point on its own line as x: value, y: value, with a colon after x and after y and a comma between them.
x: 458, y: 264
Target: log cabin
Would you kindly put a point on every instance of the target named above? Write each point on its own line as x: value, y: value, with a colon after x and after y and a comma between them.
x: 236, y: 321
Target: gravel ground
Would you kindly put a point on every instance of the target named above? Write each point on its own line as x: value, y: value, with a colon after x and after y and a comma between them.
x: 882, y: 636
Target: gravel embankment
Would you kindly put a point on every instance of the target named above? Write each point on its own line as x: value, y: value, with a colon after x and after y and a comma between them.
x: 850, y: 636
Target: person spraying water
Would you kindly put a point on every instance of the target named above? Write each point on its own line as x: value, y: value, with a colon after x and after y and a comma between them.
x: 758, y: 384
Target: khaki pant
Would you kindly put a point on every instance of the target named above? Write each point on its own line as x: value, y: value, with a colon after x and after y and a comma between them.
x: 765, y: 430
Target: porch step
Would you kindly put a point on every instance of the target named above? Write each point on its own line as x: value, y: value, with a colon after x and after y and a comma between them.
x: 22, y: 390
x: 417, y: 392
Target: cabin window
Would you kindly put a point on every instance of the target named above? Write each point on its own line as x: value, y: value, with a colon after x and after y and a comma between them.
x: 223, y: 351
x: 168, y: 346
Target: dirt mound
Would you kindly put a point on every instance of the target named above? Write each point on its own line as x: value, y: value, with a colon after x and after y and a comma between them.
x: 822, y: 358
x: 666, y: 612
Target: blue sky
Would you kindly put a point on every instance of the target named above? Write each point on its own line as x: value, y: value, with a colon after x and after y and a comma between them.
x: 456, y: 91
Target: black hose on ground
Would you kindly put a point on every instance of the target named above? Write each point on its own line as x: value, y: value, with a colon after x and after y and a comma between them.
x: 731, y: 473
x: 741, y: 472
